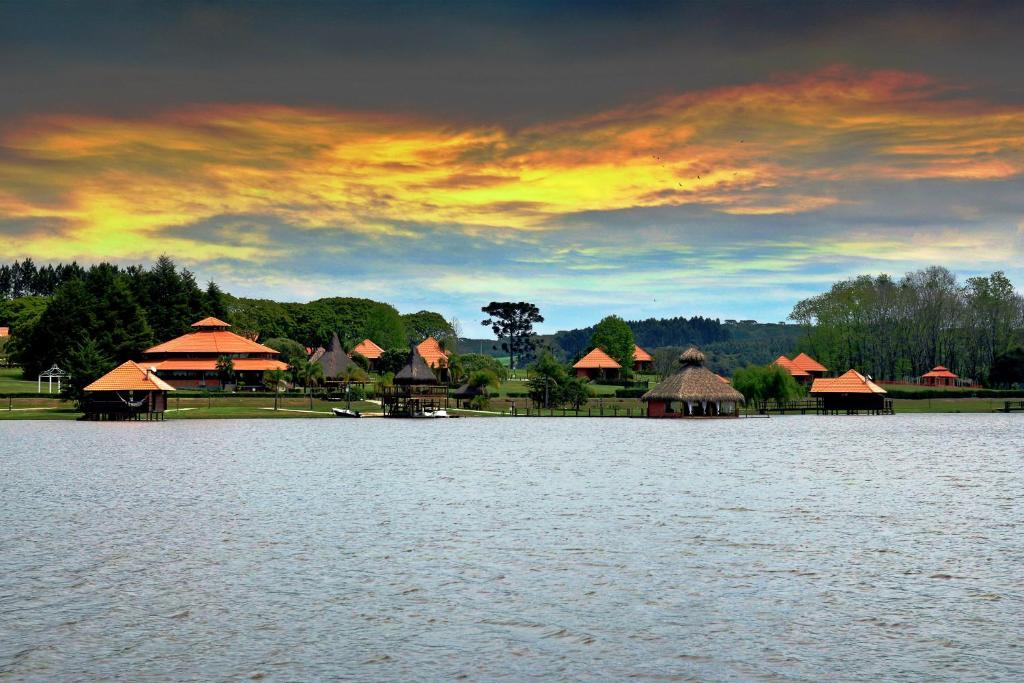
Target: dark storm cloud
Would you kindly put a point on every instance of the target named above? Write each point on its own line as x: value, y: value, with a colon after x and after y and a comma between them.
x: 514, y: 62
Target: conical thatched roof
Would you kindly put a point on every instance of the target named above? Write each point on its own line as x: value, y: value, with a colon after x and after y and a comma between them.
x: 416, y: 371
x: 692, y: 382
x: 334, y: 360
x: 467, y: 390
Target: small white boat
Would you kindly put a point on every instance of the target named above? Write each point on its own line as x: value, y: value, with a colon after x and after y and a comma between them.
x: 432, y: 413
x: 345, y: 412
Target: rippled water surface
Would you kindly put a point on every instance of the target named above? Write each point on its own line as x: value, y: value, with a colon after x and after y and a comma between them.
x: 796, y: 548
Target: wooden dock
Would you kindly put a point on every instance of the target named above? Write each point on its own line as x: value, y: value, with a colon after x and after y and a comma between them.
x: 1012, y: 406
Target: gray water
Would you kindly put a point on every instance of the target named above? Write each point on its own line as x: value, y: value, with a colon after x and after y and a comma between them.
x: 796, y: 548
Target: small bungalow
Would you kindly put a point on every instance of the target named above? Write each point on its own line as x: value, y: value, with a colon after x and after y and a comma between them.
x: 431, y: 352
x: 642, y: 361
x: 128, y: 392
x: 370, y: 351
x: 939, y: 376
x: 809, y: 365
x: 597, y: 364
x: 851, y: 392
x: 5, y: 332
x: 799, y: 374
x: 693, y: 391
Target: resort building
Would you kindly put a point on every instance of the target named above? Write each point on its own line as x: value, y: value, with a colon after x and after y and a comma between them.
x: 939, y: 376
x: 370, y: 351
x: 128, y: 392
x: 431, y: 352
x: 597, y: 364
x: 191, y: 359
x: 809, y: 365
x: 693, y: 391
x: 642, y: 361
x: 851, y: 392
x: 800, y: 375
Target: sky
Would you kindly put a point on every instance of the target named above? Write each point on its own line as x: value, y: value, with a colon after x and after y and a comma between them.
x: 645, y: 159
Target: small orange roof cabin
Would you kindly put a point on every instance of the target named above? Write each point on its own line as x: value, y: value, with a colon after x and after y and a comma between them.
x: 430, y: 350
x: 851, y: 392
x: 370, y: 351
x: 939, y: 376
x: 191, y: 359
x: 596, y: 364
x: 809, y: 365
x: 799, y: 374
x: 128, y: 392
x: 642, y: 361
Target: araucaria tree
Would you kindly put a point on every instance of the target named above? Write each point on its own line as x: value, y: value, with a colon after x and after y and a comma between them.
x: 514, y: 322
x: 613, y: 336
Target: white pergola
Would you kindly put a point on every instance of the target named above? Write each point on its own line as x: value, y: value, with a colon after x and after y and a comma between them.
x: 54, y: 373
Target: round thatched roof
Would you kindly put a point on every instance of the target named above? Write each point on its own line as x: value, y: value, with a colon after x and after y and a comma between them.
x: 693, y: 382
x: 416, y: 370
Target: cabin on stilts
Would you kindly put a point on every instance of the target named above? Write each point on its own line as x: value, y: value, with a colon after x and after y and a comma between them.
x: 850, y: 393
x: 128, y: 392
x: 415, y: 392
x: 693, y: 391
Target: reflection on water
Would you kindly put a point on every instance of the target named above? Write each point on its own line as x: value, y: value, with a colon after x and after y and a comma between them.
x: 797, y: 548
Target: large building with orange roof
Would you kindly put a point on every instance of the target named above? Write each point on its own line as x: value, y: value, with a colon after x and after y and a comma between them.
x: 128, y: 392
x: 642, y: 361
x: 850, y: 392
x: 191, y: 359
x: 597, y: 364
x: 431, y: 351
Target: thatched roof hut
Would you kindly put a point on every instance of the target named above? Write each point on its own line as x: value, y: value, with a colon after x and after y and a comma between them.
x: 692, y: 391
x: 416, y: 371
x: 334, y: 360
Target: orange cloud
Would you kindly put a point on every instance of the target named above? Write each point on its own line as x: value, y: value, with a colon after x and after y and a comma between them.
x: 127, y: 187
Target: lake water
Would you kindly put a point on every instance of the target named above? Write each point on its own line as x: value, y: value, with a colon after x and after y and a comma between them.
x: 795, y: 548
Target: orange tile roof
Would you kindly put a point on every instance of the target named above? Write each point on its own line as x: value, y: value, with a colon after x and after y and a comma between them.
x: 129, y: 376
x: 808, y: 364
x: 724, y: 379
x: 596, y: 359
x: 787, y: 364
x: 432, y: 353
x: 941, y: 371
x: 368, y: 350
x: 211, y: 341
x: 852, y: 382
x: 211, y: 322
x: 641, y: 355
x: 210, y: 364
x: 5, y: 331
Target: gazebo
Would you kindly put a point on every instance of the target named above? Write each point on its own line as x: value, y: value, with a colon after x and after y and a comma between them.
x: 128, y: 392
x: 596, y: 364
x: 939, y: 376
x: 693, y: 391
x: 416, y: 391
x: 54, y: 373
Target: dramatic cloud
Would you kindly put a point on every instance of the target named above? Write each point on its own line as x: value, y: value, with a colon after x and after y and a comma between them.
x: 729, y: 200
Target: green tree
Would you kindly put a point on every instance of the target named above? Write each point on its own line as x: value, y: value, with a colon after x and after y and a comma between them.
x: 360, y: 360
x: 613, y: 336
x: 393, y: 360
x: 423, y: 324
x: 216, y: 303
x: 86, y: 363
x: 384, y: 327
x: 514, y: 322
x: 288, y: 348
x: 1008, y: 368
x: 225, y: 369
x: 760, y: 384
x: 547, y: 380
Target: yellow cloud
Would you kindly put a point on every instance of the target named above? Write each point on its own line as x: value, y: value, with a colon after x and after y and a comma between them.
x: 127, y: 187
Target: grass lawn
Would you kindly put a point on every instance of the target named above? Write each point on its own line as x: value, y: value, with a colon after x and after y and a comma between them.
x: 11, y: 382
x: 947, y: 405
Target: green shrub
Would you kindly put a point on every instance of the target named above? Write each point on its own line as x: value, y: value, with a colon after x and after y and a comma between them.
x: 479, y: 403
x: 632, y: 392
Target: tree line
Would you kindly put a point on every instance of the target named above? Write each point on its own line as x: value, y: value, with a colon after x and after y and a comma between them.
x: 898, y: 328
